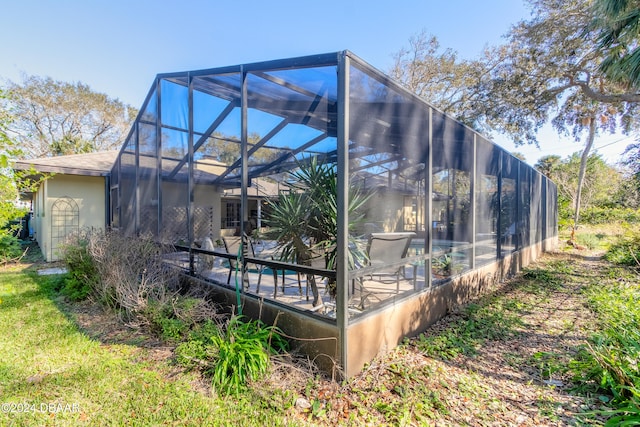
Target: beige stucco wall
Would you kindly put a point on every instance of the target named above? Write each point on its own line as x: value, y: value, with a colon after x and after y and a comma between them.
x: 87, y: 192
x: 206, y: 196
x: 386, y: 211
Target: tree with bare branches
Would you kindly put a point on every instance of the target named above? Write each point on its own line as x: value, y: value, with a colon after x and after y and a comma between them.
x: 55, y: 118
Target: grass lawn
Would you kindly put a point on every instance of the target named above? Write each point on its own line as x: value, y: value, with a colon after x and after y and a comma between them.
x: 509, y: 358
x: 51, y: 373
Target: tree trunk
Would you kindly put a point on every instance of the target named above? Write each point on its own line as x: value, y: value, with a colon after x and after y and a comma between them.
x: 583, y: 169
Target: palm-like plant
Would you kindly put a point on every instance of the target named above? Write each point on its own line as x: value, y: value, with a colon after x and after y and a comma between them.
x: 618, y: 23
x: 305, y: 220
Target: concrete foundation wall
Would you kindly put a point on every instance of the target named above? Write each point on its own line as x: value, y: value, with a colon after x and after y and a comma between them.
x: 378, y: 333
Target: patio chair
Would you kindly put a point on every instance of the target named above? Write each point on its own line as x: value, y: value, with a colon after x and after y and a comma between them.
x: 388, y: 249
x: 232, y: 246
x: 318, y: 260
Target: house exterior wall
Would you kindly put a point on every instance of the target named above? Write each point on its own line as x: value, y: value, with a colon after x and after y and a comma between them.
x: 385, y: 212
x: 206, y: 204
x: 87, y: 192
x: 38, y: 209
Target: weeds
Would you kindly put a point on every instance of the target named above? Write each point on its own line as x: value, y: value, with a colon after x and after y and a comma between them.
x: 547, y: 363
x: 626, y: 250
x: 588, y: 240
x: 234, y: 357
x: 608, y: 363
x: 10, y: 247
x: 82, y: 276
x: 475, y: 324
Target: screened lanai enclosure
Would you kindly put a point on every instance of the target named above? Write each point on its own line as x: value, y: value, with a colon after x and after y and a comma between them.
x: 317, y: 190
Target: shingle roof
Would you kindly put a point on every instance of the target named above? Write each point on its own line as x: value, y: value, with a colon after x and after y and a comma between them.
x: 90, y: 164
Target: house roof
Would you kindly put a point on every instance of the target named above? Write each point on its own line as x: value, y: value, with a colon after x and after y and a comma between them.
x: 90, y: 164
x: 260, y: 187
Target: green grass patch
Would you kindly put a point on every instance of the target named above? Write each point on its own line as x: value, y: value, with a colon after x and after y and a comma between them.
x: 609, y: 362
x: 51, y: 373
x: 625, y: 250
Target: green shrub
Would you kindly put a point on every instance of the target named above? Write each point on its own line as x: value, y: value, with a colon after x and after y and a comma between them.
x: 172, y: 319
x: 591, y: 241
x: 160, y: 317
x: 626, y: 250
x: 234, y: 357
x: 565, y: 213
x: 196, y: 350
x: 172, y: 329
x: 609, y: 362
x: 599, y: 215
x: 75, y: 289
x: 82, y: 272
x: 10, y: 247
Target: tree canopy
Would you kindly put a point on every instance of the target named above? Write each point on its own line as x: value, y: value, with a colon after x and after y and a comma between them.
x: 439, y: 76
x: 7, y: 146
x: 571, y: 64
x: 549, y: 69
x: 54, y: 118
x: 618, y: 26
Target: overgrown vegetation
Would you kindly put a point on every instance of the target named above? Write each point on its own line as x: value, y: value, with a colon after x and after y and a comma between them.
x: 609, y: 361
x: 626, y: 250
x: 54, y: 373
x: 10, y: 247
x: 607, y: 215
x: 82, y: 275
x: 473, y: 325
x: 129, y: 277
x: 234, y: 357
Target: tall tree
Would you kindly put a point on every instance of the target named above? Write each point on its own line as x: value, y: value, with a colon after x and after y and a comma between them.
x: 54, y: 118
x: 550, y: 69
x: 632, y: 162
x: 548, y: 164
x: 7, y: 146
x: 618, y: 26
x: 8, y: 189
x: 440, y: 77
x: 7, y: 150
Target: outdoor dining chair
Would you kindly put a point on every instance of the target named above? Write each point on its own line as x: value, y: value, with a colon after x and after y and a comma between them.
x: 232, y: 246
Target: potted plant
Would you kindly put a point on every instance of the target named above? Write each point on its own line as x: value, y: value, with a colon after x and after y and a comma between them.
x: 442, y: 266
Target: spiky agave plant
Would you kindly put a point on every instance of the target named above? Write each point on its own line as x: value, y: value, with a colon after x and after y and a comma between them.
x: 305, y: 220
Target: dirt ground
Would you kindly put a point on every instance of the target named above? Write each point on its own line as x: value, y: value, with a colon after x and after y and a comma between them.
x: 519, y: 381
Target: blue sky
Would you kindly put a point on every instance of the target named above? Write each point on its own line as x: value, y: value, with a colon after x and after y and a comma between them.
x: 117, y: 47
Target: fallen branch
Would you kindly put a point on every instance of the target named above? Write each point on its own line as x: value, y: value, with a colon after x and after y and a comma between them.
x: 7, y: 261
